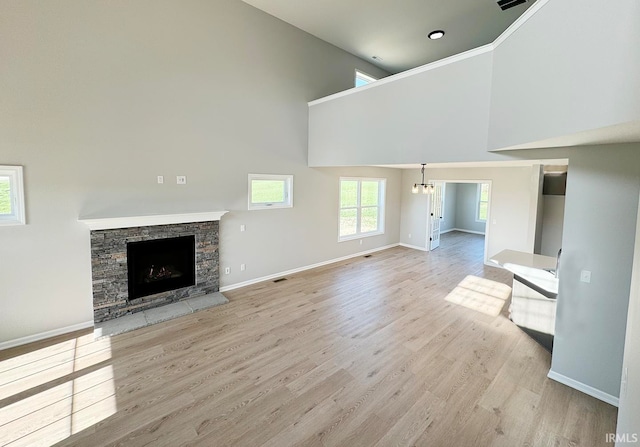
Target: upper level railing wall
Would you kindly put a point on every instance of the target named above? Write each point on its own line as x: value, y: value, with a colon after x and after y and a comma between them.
x: 566, y: 66
x: 574, y: 66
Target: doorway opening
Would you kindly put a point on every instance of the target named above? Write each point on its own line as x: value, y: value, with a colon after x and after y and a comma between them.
x: 458, y: 214
x: 550, y: 217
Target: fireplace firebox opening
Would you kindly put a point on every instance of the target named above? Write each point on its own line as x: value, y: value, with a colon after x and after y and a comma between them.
x: 160, y: 265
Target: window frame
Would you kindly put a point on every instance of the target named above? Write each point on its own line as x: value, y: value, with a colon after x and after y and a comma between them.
x: 359, y: 74
x: 288, y: 192
x: 16, y: 193
x: 382, y: 188
x: 479, y: 201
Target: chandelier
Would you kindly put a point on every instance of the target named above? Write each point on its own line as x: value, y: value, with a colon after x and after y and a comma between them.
x: 424, y: 188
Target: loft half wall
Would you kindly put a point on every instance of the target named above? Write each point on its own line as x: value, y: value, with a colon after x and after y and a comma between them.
x: 554, y: 78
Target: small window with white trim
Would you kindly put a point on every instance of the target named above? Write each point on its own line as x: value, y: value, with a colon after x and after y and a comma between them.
x: 363, y: 79
x: 11, y: 196
x: 267, y: 191
x: 482, y: 208
x: 361, y: 207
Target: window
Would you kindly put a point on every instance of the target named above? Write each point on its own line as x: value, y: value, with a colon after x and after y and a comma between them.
x: 361, y: 207
x: 11, y: 196
x: 270, y: 191
x: 363, y: 79
x: 482, y: 209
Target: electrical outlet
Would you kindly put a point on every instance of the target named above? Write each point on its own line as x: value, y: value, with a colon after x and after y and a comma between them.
x: 409, y: 235
x: 242, y: 267
x: 227, y: 271
x: 360, y: 241
x: 181, y: 179
x: 243, y: 227
x: 160, y: 179
x: 585, y: 276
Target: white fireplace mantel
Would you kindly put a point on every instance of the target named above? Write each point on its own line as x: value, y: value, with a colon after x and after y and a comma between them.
x: 110, y: 223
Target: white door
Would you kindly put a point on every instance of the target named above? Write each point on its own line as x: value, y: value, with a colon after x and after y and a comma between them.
x: 435, y: 215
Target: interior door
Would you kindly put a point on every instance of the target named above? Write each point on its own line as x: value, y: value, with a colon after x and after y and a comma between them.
x: 435, y: 215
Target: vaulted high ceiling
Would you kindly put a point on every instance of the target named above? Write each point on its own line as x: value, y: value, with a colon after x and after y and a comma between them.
x: 396, y: 31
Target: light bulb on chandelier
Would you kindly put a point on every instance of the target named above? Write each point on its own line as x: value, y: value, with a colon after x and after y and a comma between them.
x: 424, y: 188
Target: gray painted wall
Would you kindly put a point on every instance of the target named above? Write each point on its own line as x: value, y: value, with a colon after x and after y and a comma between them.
x: 449, y: 211
x: 413, y: 222
x: 537, y: 246
x: 460, y: 208
x: 466, y: 197
x: 98, y: 98
x: 629, y: 411
x: 552, y: 224
x: 599, y: 230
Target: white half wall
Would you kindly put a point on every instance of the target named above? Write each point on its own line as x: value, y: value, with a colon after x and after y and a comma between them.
x: 572, y: 67
x: 436, y: 115
x: 554, y: 80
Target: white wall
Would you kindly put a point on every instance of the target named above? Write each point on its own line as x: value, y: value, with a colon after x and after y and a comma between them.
x: 439, y: 115
x: 510, y: 207
x: 98, y: 98
x: 629, y: 411
x: 557, y: 75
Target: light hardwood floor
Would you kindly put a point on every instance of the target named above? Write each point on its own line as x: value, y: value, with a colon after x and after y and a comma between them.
x: 365, y: 352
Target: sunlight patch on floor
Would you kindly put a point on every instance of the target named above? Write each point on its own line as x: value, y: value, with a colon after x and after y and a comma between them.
x: 479, y: 294
x: 36, y: 409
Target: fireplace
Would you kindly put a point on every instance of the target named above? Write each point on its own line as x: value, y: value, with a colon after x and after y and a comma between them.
x: 111, y: 242
x: 160, y: 265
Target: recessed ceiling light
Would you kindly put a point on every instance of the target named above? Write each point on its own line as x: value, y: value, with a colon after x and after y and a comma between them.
x: 377, y: 58
x: 437, y: 34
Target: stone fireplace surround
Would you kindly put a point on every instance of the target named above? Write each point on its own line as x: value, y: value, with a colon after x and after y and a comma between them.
x: 109, y: 238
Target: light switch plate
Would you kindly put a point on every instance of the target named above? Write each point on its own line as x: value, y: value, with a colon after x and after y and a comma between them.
x: 181, y: 179
x: 585, y: 276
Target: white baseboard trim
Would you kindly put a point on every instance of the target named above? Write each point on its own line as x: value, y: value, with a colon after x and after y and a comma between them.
x: 44, y: 335
x: 415, y: 247
x: 302, y: 269
x: 586, y: 389
x: 448, y: 231
x: 464, y: 231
